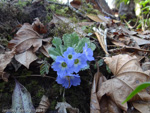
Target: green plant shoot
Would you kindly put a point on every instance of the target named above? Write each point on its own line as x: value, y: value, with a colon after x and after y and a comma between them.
x: 137, y: 90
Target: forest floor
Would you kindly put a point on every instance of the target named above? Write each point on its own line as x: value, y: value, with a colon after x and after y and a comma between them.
x: 59, y: 20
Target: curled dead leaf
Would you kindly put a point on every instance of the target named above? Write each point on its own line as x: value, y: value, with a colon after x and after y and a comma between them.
x: 105, y: 104
x: 128, y: 75
x: 5, y: 59
x: 76, y: 3
x: 143, y: 107
x: 64, y: 106
x: 44, y: 50
x: 38, y: 26
x: 25, y: 38
x: 43, y: 106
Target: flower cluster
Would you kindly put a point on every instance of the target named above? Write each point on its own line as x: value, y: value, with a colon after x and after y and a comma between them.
x: 68, y: 65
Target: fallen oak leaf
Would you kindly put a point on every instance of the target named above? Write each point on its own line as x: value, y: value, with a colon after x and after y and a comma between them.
x: 26, y: 58
x: 105, y: 105
x: 27, y: 41
x: 128, y: 75
x: 25, y: 38
x: 5, y: 59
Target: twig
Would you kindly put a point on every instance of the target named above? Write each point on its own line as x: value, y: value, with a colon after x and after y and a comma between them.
x: 131, y: 27
x: 105, y: 41
x: 37, y: 76
x: 101, y: 36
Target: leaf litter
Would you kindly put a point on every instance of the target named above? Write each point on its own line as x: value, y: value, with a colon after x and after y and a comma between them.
x: 106, y: 95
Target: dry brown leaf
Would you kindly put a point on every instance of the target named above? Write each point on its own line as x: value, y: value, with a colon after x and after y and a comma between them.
x: 147, y: 37
x: 101, y: 41
x: 76, y: 3
x: 126, y: 31
x: 143, y: 107
x: 64, y: 106
x: 99, y: 18
x: 105, y: 105
x: 43, y: 106
x: 128, y: 75
x: 108, y: 106
x: 94, y: 103
x: 25, y: 38
x: 146, y: 32
x: 140, y: 41
x: 85, y: 23
x: 5, y: 59
x: 38, y: 26
x: 26, y: 58
x: 146, y: 66
x: 44, y: 49
x: 94, y: 18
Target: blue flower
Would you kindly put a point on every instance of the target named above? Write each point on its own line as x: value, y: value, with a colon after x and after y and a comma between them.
x: 69, y: 80
x: 79, y: 62
x: 107, y: 17
x: 69, y: 55
x: 88, y: 52
x: 60, y: 65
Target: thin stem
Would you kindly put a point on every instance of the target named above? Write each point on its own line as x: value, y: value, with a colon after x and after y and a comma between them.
x: 36, y: 76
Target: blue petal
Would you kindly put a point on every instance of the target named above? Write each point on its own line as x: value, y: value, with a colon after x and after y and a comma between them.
x: 88, y: 53
x: 74, y: 80
x: 60, y: 59
x: 70, y: 50
x: 82, y: 63
x: 56, y: 66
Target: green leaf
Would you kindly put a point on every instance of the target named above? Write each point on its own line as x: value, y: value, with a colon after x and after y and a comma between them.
x: 54, y: 53
x: 92, y: 46
x: 56, y: 41
x: 70, y: 40
x: 44, y: 68
x: 137, y: 89
x: 81, y: 44
x: 21, y: 100
x: 60, y: 49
